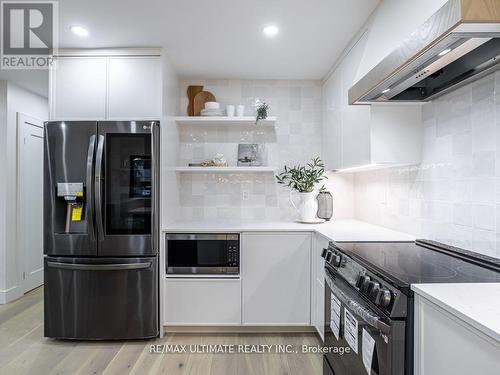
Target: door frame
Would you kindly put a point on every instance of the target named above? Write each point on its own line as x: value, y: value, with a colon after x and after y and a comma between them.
x: 24, y: 284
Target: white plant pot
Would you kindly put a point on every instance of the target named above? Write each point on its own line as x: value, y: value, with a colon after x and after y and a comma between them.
x: 307, y: 205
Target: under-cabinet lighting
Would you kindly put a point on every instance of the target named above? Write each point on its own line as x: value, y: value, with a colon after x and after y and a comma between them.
x: 442, y: 53
x: 385, y: 91
x: 359, y: 168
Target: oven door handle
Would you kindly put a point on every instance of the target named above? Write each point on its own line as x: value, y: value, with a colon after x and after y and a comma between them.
x: 368, y: 317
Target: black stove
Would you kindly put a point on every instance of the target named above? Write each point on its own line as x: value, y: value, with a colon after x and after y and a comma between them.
x: 368, y: 294
x: 422, y: 261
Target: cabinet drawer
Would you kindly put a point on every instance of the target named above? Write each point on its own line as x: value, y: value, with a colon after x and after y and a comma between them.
x: 200, y: 302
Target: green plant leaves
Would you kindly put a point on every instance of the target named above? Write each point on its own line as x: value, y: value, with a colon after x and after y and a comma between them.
x: 303, y: 178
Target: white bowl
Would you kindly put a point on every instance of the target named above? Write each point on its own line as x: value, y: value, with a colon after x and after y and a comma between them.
x: 212, y: 105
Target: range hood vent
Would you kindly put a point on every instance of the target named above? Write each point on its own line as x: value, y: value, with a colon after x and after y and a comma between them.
x: 457, y: 45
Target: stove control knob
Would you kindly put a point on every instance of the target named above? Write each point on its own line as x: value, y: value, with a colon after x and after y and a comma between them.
x: 384, y: 298
x: 373, y: 290
x: 323, y: 253
x: 363, y: 283
x: 336, y: 260
x: 328, y: 256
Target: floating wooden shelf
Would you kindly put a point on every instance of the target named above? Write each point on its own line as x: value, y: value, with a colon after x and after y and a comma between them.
x: 224, y: 120
x: 225, y: 169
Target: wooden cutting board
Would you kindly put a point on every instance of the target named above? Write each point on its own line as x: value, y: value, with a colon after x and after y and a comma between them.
x: 200, y: 99
x: 191, y: 93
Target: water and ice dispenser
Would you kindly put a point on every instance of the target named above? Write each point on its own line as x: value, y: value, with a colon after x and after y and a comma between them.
x: 72, y: 193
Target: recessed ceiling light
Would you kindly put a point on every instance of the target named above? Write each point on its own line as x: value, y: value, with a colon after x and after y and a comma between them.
x: 385, y: 91
x: 442, y: 53
x: 270, y: 31
x: 79, y: 30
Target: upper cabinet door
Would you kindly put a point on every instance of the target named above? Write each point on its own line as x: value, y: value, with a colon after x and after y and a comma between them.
x: 78, y: 88
x: 134, y: 85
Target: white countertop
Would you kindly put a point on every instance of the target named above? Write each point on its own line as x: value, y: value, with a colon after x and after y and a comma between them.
x: 475, y: 304
x: 337, y: 230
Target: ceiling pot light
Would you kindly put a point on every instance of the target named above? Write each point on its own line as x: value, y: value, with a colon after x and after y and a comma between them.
x: 442, y: 53
x: 79, y: 30
x: 270, y: 31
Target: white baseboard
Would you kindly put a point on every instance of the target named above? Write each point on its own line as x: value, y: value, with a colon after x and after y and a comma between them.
x: 10, y: 294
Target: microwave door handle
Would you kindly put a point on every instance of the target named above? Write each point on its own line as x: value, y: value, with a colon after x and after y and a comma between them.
x: 367, y: 316
x: 98, y: 187
x: 89, y: 187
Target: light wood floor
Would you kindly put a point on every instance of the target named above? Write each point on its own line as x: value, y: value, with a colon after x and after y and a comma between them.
x: 24, y: 350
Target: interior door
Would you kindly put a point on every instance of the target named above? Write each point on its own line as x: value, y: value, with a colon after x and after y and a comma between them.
x: 68, y: 188
x: 125, y: 188
x: 30, y: 200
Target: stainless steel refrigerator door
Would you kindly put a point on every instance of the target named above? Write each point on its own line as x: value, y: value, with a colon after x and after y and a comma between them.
x: 69, y: 153
x: 101, y: 298
x: 126, y: 179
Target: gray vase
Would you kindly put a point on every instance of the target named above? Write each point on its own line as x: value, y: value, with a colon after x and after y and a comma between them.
x: 325, y: 205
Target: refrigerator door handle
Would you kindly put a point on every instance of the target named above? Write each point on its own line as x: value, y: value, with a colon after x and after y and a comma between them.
x: 99, y: 267
x: 98, y: 187
x: 89, y: 188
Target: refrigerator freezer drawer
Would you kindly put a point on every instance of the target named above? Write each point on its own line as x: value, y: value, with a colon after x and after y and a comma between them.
x: 101, y: 298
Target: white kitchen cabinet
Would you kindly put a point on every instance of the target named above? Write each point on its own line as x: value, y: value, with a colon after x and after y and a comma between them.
x: 447, y: 345
x: 86, y: 87
x: 362, y: 135
x: 78, y: 88
x: 318, y: 284
x: 202, y: 302
x: 134, y: 88
x: 276, y: 279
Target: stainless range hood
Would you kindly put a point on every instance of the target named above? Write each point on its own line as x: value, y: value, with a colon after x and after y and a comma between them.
x: 457, y: 45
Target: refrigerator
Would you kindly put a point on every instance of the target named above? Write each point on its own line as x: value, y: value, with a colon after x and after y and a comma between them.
x: 101, y: 223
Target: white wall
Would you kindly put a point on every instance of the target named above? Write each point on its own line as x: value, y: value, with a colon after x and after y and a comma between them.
x: 17, y: 100
x: 169, y: 144
x: 3, y: 183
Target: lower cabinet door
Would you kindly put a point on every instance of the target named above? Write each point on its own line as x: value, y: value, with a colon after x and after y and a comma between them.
x: 202, y: 302
x: 276, y: 277
x: 101, y: 298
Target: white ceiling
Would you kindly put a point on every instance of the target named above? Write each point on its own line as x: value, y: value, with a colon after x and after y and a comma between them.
x: 222, y: 38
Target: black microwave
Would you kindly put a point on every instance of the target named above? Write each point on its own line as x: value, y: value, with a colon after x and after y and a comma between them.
x: 202, y: 253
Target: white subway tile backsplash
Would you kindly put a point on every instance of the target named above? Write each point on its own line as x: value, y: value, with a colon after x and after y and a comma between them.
x: 484, y: 217
x: 454, y: 194
x: 296, y: 138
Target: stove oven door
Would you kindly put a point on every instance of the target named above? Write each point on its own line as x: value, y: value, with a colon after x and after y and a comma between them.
x: 360, y: 340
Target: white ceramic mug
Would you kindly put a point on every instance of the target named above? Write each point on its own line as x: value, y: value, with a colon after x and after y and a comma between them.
x: 230, y: 110
x: 240, y: 110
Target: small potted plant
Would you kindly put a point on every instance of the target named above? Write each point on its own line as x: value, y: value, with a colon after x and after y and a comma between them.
x: 261, y: 109
x: 303, y: 180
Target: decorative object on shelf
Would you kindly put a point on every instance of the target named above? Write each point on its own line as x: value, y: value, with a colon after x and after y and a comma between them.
x: 240, y: 110
x: 325, y: 204
x: 192, y: 91
x: 211, y: 109
x: 303, y: 180
x: 261, y: 109
x: 218, y: 161
x: 250, y: 155
x: 200, y: 99
x: 230, y: 110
